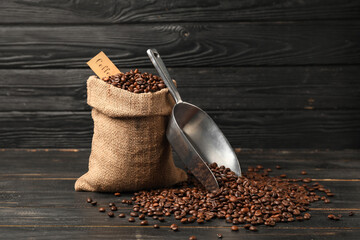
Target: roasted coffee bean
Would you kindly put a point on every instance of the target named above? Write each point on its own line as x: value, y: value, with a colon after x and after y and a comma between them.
x: 234, y: 228
x: 142, y: 216
x: 144, y: 223
x: 155, y: 217
x: 351, y: 214
x: 252, y: 228
x: 174, y: 227
x: 111, y: 214
x: 184, y: 220
x: 121, y: 215
x: 246, y: 226
x: 88, y: 200
x: 101, y: 209
x: 219, y: 235
x: 117, y: 194
x: 131, y: 219
x: 192, y: 238
x: 111, y: 204
x: 200, y: 220
x: 303, y: 172
x: 283, y: 175
x: 161, y: 219
x: 134, y: 214
x: 156, y: 226
x: 306, y: 180
x: 307, y: 216
x: 113, y: 208
x: 278, y: 167
x: 94, y: 203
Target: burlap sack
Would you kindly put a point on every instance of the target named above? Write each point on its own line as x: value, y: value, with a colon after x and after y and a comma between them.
x: 129, y: 147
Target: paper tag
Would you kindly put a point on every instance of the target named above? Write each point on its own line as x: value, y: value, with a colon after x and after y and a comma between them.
x: 102, y: 65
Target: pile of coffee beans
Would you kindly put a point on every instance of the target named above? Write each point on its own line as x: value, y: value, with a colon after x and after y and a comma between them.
x: 136, y: 82
x: 255, y: 198
x: 252, y: 199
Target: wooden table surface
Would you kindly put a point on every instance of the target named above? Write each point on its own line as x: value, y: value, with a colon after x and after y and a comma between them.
x: 38, y: 201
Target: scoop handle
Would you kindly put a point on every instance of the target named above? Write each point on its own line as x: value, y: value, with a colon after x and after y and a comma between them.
x: 164, y: 74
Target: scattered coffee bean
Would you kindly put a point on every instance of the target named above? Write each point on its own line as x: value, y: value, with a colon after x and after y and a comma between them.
x: 351, y: 214
x: 113, y: 208
x: 156, y: 226
x: 94, y: 203
x: 142, y: 216
x: 192, y: 238
x: 121, y: 215
x: 117, y: 194
x: 161, y: 219
x: 234, y: 228
x: 219, y: 235
x: 174, y: 227
x: 144, y: 223
x: 278, y: 167
x: 252, y: 228
x: 306, y: 180
x: 307, y: 216
x: 131, y: 219
x: 88, y: 200
x: 334, y: 217
x: 283, y: 175
x: 303, y: 172
x: 134, y: 214
x: 247, y: 226
x: 102, y: 209
x: 111, y: 204
x: 110, y: 214
x: 184, y: 220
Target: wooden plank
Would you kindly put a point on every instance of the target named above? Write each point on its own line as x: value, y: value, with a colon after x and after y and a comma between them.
x: 28, y: 194
x: 148, y: 233
x: 169, y: 11
x: 183, y: 44
x: 253, y: 88
x: 53, y: 165
x: 256, y: 129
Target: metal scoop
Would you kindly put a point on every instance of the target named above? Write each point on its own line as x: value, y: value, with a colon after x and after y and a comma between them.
x: 194, y: 135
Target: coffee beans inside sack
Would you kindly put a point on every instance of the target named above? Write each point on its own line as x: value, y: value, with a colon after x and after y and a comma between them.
x: 129, y: 149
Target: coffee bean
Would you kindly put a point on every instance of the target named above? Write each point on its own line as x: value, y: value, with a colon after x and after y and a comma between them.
x: 134, y: 214
x: 110, y: 214
x: 306, y: 180
x: 234, y: 228
x: 142, y: 216
x: 283, y: 175
x: 184, y: 220
x: 94, y: 203
x: 88, y: 200
x: 278, y: 167
x: 303, y: 172
x: 121, y: 215
x: 174, y: 227
x: 192, y: 238
x: 117, y: 194
x: 351, y: 214
x: 161, y: 219
x: 219, y: 235
x: 111, y: 204
x: 113, y: 208
x: 144, y: 223
x: 252, y: 228
x: 307, y: 216
x: 101, y: 209
x: 131, y: 219
x: 156, y: 226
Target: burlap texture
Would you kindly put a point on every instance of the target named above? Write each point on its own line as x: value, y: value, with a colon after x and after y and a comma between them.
x: 129, y: 149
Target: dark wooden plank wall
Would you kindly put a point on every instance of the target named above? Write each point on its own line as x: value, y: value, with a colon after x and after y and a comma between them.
x: 272, y: 74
